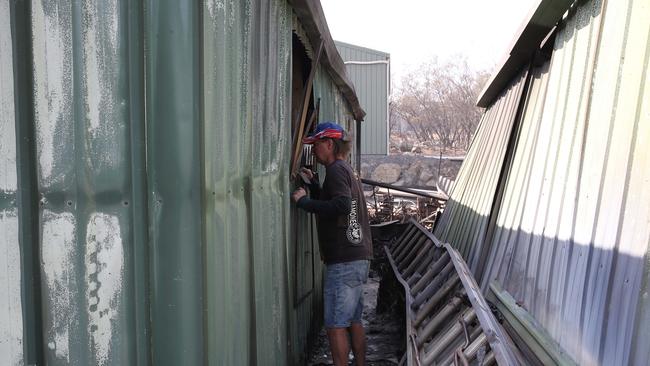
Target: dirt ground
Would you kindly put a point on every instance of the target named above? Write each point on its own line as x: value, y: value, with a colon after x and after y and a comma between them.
x: 383, y: 313
x: 383, y: 334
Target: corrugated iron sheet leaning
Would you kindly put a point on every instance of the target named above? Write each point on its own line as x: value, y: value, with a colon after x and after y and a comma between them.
x: 448, y: 320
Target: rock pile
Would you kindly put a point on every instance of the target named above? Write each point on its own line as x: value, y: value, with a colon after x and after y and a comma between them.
x: 408, y: 170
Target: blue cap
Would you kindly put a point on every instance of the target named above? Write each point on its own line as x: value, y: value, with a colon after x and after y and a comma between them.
x: 325, y: 130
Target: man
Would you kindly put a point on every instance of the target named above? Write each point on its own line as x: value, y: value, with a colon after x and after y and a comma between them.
x: 344, y: 236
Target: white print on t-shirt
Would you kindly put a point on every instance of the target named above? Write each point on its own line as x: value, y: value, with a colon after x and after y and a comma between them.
x: 354, y: 229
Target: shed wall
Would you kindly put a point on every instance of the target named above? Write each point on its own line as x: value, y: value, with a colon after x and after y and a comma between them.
x: 11, y: 308
x: 371, y: 82
x: 144, y: 185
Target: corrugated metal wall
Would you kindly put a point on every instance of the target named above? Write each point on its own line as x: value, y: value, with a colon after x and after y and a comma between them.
x: 371, y: 82
x: 247, y: 213
x: 85, y: 117
x: 473, y: 194
x: 572, y: 236
x: 144, y: 190
x: 11, y: 309
x: 333, y: 106
x: 174, y: 197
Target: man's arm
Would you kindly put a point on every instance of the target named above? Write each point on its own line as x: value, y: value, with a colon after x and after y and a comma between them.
x: 339, y: 205
x: 339, y: 188
x: 312, y: 182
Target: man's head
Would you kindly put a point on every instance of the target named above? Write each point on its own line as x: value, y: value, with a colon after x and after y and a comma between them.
x: 330, y: 142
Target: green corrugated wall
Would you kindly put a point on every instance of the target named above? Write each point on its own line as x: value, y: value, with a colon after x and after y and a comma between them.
x: 372, y: 84
x: 144, y: 186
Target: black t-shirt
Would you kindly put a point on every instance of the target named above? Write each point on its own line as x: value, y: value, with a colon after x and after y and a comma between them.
x: 342, y: 217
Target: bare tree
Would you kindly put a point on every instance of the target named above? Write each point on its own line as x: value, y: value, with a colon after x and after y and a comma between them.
x: 395, y: 123
x: 437, y: 101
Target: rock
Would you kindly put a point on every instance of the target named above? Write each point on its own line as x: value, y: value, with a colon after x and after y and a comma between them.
x: 386, y: 173
x: 426, y: 175
x: 405, y: 146
x: 411, y: 175
x: 365, y: 170
x: 448, y: 168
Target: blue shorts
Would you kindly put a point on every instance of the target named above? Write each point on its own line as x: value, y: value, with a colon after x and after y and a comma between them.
x: 344, y: 293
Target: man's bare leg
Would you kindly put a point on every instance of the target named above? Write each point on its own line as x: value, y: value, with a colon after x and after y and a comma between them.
x: 358, y: 335
x: 338, y: 338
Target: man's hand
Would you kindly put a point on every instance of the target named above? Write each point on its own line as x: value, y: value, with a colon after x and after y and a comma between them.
x: 307, y: 173
x: 298, y: 194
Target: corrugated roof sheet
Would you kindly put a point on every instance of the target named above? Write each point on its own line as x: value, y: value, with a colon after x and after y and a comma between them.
x: 543, y: 17
x: 466, y: 216
x: 372, y: 54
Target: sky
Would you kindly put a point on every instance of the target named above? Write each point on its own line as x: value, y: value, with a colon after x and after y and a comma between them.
x: 415, y: 31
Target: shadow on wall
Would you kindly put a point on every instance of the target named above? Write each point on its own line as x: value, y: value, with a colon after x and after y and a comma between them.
x: 592, y: 298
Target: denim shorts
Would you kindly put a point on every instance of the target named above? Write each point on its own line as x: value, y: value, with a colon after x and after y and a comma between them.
x: 344, y: 293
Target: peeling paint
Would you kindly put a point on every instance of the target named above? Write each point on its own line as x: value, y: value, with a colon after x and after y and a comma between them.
x: 8, y: 177
x: 52, y: 49
x: 103, y: 139
x: 11, y: 318
x: 214, y: 7
x: 57, y: 255
x: 103, y: 106
x: 98, y: 62
x: 104, y: 271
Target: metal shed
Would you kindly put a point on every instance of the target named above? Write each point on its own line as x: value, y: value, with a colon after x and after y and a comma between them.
x: 144, y: 181
x: 551, y: 208
x: 369, y: 71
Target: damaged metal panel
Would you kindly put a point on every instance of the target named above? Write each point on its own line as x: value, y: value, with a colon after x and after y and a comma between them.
x: 465, y: 220
x: 148, y: 220
x: 534, y: 29
x: 260, y: 294
x: 247, y: 138
x: 11, y: 307
x: 580, y: 241
x: 571, y: 239
x: 448, y: 320
x: 574, y: 254
x: 82, y: 128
